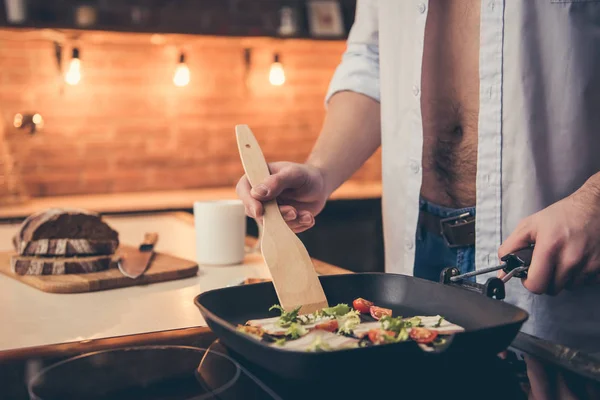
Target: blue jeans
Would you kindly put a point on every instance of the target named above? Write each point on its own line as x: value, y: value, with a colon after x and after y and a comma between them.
x: 432, y: 252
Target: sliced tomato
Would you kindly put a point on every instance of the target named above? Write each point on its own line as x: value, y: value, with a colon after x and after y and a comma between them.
x: 330, y: 326
x: 376, y: 336
x: 362, y: 306
x: 378, y: 312
x: 422, y: 335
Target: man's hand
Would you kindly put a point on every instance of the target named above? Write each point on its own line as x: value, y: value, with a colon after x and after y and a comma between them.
x: 300, y: 191
x: 567, y: 243
x: 350, y: 135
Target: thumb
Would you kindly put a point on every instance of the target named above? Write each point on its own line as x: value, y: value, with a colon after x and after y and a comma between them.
x: 521, y: 237
x: 273, y: 185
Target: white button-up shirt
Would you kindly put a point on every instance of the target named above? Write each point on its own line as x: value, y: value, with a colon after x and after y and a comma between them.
x: 539, y: 129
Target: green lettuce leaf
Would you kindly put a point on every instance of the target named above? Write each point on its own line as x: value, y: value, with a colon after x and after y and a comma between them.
x: 399, y: 326
x: 296, y: 331
x: 339, y: 310
x: 286, y: 318
x: 318, y: 345
x: 412, y: 322
x: 402, y: 336
x: 347, y: 322
x: 394, y: 324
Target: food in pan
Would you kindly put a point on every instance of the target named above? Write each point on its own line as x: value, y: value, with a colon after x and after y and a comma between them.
x: 341, y: 327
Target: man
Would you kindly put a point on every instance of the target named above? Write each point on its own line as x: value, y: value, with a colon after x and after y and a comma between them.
x: 488, y: 108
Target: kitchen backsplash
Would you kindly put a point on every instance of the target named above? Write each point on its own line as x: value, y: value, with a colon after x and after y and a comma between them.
x: 126, y: 127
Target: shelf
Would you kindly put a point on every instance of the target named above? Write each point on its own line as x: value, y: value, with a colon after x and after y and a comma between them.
x: 234, y: 18
x: 99, y: 28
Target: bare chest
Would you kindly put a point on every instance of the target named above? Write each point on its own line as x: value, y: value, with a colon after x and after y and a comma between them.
x: 450, y: 101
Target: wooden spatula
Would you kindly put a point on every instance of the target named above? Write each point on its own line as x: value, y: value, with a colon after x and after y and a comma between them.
x: 292, y: 270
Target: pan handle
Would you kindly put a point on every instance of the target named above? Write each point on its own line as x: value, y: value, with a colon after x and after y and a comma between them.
x: 493, y: 287
x: 515, y: 264
x: 520, y: 259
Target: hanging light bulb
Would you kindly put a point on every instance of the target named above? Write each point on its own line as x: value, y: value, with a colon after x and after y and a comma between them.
x: 276, y: 74
x: 73, y: 75
x: 182, y: 73
x: 18, y: 120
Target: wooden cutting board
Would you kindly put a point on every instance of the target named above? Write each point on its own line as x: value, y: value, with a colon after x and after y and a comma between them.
x: 164, y: 267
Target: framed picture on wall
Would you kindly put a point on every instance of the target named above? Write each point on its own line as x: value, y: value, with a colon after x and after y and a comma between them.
x: 325, y: 18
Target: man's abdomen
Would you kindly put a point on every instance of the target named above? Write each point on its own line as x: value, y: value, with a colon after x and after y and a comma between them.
x: 450, y: 102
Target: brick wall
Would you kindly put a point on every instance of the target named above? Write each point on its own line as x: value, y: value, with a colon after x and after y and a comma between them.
x: 126, y: 127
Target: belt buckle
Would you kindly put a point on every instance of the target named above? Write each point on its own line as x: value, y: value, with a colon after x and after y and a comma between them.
x: 452, y: 221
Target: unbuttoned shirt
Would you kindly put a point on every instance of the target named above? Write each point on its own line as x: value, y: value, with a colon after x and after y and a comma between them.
x: 539, y: 130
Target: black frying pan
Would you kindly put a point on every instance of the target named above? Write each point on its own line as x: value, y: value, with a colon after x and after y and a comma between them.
x: 490, y: 325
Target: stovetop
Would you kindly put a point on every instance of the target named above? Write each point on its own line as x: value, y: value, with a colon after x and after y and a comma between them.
x: 216, y: 372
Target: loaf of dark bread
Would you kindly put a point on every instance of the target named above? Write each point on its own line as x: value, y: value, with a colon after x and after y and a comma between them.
x: 26, y: 265
x: 63, y: 232
x: 67, y: 247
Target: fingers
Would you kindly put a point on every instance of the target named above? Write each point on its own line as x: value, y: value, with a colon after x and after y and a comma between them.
x: 562, y: 278
x: 304, y: 222
x: 298, y: 222
x: 290, y: 177
x: 281, y: 181
x: 540, y: 276
x: 253, y: 207
x: 569, y: 268
x: 522, y: 236
x: 288, y: 212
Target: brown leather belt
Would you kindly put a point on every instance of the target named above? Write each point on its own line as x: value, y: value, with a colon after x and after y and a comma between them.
x: 457, y: 231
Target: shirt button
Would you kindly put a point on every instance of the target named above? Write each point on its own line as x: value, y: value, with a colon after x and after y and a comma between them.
x: 421, y: 8
x: 416, y: 90
x: 414, y: 167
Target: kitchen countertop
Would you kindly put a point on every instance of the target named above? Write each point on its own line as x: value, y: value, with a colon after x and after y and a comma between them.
x: 43, y: 326
x: 163, y: 200
x: 32, y: 318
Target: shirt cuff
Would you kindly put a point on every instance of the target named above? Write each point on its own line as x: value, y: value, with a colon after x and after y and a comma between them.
x: 358, y: 72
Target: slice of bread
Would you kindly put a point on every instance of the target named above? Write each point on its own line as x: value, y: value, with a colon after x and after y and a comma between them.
x: 65, y: 232
x: 67, y: 247
x: 31, y: 265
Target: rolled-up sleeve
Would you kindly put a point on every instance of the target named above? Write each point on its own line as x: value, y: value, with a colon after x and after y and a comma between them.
x: 358, y: 70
